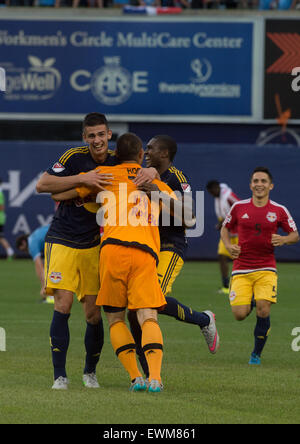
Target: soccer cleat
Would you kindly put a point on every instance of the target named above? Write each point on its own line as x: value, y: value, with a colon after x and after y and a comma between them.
x: 60, y: 383
x: 138, y: 385
x: 90, y: 380
x: 49, y: 300
x: 224, y: 290
x: 210, y: 333
x: 254, y: 359
x: 155, y: 386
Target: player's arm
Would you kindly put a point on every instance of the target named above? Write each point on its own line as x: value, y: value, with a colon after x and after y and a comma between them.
x: 181, y: 207
x: 66, y: 195
x: 289, y: 226
x: 86, y: 188
x: 290, y: 239
x: 52, y: 184
x: 176, y: 205
x: 39, y: 270
x: 234, y: 250
x: 219, y: 224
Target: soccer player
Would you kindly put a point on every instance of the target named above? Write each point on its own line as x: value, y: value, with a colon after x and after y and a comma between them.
x: 224, y: 198
x: 5, y: 244
x: 160, y: 153
x: 128, y: 259
x: 72, y: 247
x: 34, y: 244
x: 256, y: 220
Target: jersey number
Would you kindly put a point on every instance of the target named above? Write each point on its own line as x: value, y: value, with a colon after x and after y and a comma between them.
x: 257, y: 229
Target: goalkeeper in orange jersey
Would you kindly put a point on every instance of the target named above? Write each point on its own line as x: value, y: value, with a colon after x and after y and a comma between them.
x: 130, y: 248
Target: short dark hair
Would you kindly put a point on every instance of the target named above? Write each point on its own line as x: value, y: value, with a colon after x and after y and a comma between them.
x: 93, y: 119
x: 262, y: 169
x: 21, y: 239
x: 128, y: 147
x: 167, y: 142
x: 212, y: 184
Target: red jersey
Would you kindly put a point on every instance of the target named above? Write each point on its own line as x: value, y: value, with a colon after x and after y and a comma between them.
x: 255, y: 226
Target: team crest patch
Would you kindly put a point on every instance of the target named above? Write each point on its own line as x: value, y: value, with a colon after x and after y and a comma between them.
x: 55, y: 277
x: 271, y: 216
x: 186, y: 188
x: 232, y: 295
x: 58, y: 167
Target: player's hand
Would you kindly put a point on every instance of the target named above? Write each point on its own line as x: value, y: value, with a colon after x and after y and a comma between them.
x: 146, y: 175
x: 95, y: 180
x: 277, y: 240
x: 148, y: 188
x: 43, y: 291
x: 234, y: 251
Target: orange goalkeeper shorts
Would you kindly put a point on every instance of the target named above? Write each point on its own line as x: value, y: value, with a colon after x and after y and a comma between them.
x: 128, y: 278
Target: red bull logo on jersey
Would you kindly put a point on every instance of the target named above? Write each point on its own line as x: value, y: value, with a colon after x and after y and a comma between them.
x: 55, y: 277
x: 232, y: 296
x: 272, y: 217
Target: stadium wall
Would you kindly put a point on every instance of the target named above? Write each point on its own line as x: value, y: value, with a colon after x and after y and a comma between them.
x: 23, y: 162
x: 224, y: 83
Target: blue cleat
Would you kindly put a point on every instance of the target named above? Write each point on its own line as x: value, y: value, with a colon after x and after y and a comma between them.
x: 254, y: 359
x: 155, y: 386
x: 138, y: 385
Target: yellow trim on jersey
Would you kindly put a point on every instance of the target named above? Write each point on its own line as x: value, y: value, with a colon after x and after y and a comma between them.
x: 180, y: 176
x: 63, y: 159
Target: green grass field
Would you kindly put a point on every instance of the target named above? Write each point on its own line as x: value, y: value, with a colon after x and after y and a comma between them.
x: 199, y: 388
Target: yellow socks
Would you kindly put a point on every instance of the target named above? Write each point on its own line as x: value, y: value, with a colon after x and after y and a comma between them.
x: 124, y: 347
x: 152, y: 344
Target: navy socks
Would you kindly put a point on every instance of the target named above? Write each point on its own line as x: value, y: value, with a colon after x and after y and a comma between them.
x: 261, y: 332
x: 225, y: 281
x: 59, y: 341
x: 93, y: 340
x: 60, y: 338
x: 183, y: 313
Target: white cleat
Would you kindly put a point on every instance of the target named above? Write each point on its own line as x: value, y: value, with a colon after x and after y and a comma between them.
x: 210, y: 333
x: 61, y: 383
x: 90, y: 380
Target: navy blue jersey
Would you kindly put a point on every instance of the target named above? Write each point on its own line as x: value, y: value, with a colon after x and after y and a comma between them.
x: 73, y: 224
x: 172, y: 237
